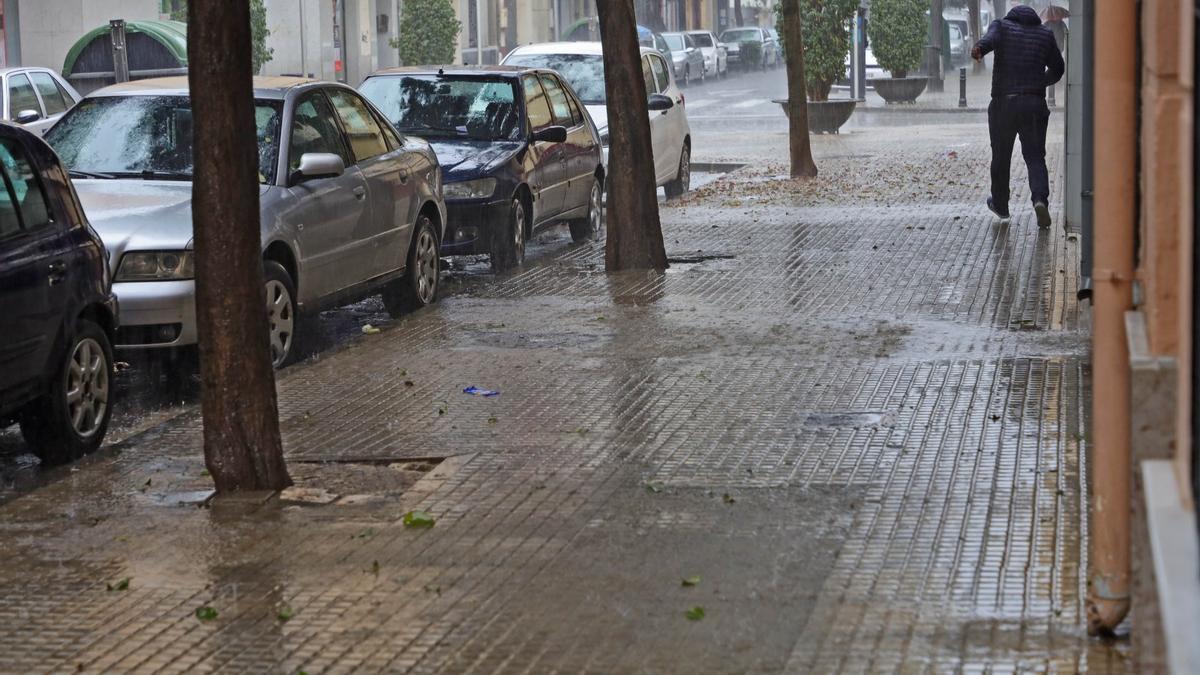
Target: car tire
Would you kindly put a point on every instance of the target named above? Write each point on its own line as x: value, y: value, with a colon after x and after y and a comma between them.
x: 588, y: 227
x: 59, y: 429
x: 687, y: 76
x: 683, y: 179
x: 284, y: 321
x: 422, y: 273
x: 508, y: 243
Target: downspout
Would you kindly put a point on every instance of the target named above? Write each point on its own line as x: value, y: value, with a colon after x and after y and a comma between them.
x: 1112, y: 276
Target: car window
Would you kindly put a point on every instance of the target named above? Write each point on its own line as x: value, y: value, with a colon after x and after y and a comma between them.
x: 702, y: 39
x: 558, y: 101
x: 366, y: 138
x: 436, y: 106
x: 576, y: 114
x: 661, y: 44
x: 52, y: 96
x: 675, y: 42
x: 21, y: 96
x: 660, y: 73
x: 22, y: 200
x: 536, y: 104
x: 585, y: 72
x: 314, y: 130
x: 648, y: 76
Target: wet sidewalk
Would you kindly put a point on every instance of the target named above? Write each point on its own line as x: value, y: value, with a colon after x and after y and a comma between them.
x: 844, y: 432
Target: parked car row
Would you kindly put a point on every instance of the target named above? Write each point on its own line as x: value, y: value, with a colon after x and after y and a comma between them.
x: 361, y: 193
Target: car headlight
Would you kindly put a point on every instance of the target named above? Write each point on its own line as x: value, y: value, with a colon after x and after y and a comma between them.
x: 156, y: 266
x: 470, y: 189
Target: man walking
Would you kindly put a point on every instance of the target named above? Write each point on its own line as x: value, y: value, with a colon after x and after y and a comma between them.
x: 1027, y: 61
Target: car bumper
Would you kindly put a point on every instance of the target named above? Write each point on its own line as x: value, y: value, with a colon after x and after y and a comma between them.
x: 156, y: 314
x: 470, y: 224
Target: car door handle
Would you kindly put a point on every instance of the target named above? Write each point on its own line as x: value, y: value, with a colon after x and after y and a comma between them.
x: 360, y: 192
x: 57, y: 271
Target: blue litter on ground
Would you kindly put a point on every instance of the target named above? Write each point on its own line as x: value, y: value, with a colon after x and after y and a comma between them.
x: 476, y: 391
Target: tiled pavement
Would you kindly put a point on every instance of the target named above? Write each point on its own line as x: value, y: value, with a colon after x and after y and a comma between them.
x: 857, y: 414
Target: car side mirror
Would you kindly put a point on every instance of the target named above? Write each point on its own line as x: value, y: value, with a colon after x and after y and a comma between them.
x: 554, y: 134
x: 27, y: 116
x: 318, y: 165
x: 659, y: 102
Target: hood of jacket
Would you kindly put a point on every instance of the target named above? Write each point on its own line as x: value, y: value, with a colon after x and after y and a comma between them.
x: 1024, y: 15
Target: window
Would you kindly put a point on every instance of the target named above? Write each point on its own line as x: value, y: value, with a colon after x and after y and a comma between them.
x: 660, y: 73
x: 558, y: 101
x: 427, y: 106
x: 366, y: 139
x: 585, y: 72
x: 535, y: 103
x: 576, y: 114
x: 702, y: 39
x: 314, y: 130
x: 52, y: 95
x: 22, y: 202
x: 21, y: 96
x: 648, y: 76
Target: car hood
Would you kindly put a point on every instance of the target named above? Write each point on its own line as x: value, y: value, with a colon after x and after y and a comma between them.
x: 138, y: 214
x: 464, y: 159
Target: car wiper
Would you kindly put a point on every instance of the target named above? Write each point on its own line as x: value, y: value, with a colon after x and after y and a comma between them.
x: 76, y: 173
x: 425, y: 126
x: 150, y: 174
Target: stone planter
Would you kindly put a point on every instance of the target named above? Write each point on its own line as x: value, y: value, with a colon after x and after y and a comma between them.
x: 825, y: 117
x: 900, y: 89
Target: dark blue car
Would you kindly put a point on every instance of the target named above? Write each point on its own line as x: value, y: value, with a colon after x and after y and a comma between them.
x: 518, y: 152
x: 57, y: 312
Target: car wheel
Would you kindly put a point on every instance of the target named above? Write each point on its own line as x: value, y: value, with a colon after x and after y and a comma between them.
x: 419, y: 286
x: 508, y: 244
x: 281, y: 313
x: 589, y: 226
x: 70, y: 420
x: 683, y: 180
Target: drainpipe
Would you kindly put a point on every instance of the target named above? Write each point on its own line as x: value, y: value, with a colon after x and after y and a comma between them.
x: 1112, y: 276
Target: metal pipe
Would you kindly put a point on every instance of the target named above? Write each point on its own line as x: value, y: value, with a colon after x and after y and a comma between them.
x: 962, y: 87
x: 303, y: 54
x: 479, y: 32
x: 1112, y: 277
x: 120, y: 56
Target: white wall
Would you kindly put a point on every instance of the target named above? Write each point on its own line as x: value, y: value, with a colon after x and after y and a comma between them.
x: 296, y: 27
x: 49, y: 28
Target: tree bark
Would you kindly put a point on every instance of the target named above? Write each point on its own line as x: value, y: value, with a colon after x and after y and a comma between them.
x: 242, y: 447
x: 737, y: 13
x: 974, y: 17
x: 800, y: 147
x: 635, y: 238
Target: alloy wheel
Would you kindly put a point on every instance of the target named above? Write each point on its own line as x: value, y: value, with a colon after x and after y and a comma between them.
x: 426, y: 259
x: 87, y: 387
x: 518, y: 233
x: 595, y: 210
x: 282, y: 321
x: 685, y: 171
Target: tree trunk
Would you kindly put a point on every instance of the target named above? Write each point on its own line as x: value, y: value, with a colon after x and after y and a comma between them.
x: 635, y: 238
x: 800, y: 147
x: 737, y: 13
x: 974, y: 19
x: 242, y: 448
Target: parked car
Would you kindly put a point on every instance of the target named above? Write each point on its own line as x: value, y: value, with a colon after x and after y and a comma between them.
x: 517, y: 149
x: 736, y: 38
x: 654, y: 40
x: 716, y: 60
x: 779, y: 55
x: 57, y: 309
x: 36, y: 97
x: 582, y: 65
x: 348, y: 207
x: 873, y: 71
x: 958, y: 45
x: 686, y: 59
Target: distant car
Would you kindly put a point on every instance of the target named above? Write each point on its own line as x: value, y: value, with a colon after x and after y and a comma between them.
x: 873, y: 71
x: 778, y: 46
x: 57, y: 309
x: 736, y: 38
x: 348, y: 207
x: 686, y: 58
x: 958, y: 45
x: 36, y: 97
x: 716, y: 60
x: 582, y: 65
x: 654, y: 40
x: 517, y: 148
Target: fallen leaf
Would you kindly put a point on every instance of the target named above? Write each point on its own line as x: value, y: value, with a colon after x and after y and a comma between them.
x: 368, y: 329
x: 728, y: 498
x: 120, y: 585
x: 285, y: 613
x: 369, y: 532
x: 206, y: 613
x: 375, y: 567
x: 492, y: 420
x: 418, y: 519
x: 695, y: 614
x: 654, y: 487
x: 409, y: 383
x: 692, y: 580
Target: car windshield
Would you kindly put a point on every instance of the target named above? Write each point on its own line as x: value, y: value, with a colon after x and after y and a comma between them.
x: 434, y: 106
x: 741, y: 35
x: 584, y: 72
x: 147, y: 136
x: 675, y: 42
x: 702, y: 39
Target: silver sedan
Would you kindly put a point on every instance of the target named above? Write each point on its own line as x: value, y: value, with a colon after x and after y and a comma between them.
x: 348, y: 206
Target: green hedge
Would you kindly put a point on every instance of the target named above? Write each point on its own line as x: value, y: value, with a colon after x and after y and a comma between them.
x: 826, y: 31
x: 898, y: 31
x: 428, y: 33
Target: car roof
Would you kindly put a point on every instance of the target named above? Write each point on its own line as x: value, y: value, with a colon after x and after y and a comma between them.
x: 16, y: 69
x: 595, y: 48
x: 264, y: 87
x: 456, y: 71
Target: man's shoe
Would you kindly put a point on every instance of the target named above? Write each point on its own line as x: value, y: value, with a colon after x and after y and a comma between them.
x: 1043, y: 214
x: 1002, y: 215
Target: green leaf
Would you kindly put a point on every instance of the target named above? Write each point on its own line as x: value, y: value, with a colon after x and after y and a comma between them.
x: 205, y: 473
x: 368, y: 532
x: 695, y: 614
x: 418, y: 519
x: 285, y: 613
x: 693, y: 580
x: 206, y: 613
x: 120, y: 585
x: 654, y: 488
x: 375, y: 567
x: 493, y: 420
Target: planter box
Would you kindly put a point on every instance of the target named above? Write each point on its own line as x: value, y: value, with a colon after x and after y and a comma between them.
x: 900, y: 89
x: 825, y: 117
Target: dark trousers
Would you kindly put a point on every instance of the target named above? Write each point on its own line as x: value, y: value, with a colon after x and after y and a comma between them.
x: 1010, y: 117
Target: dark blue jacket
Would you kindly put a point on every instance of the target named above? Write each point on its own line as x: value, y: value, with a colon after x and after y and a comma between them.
x: 1027, y: 57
